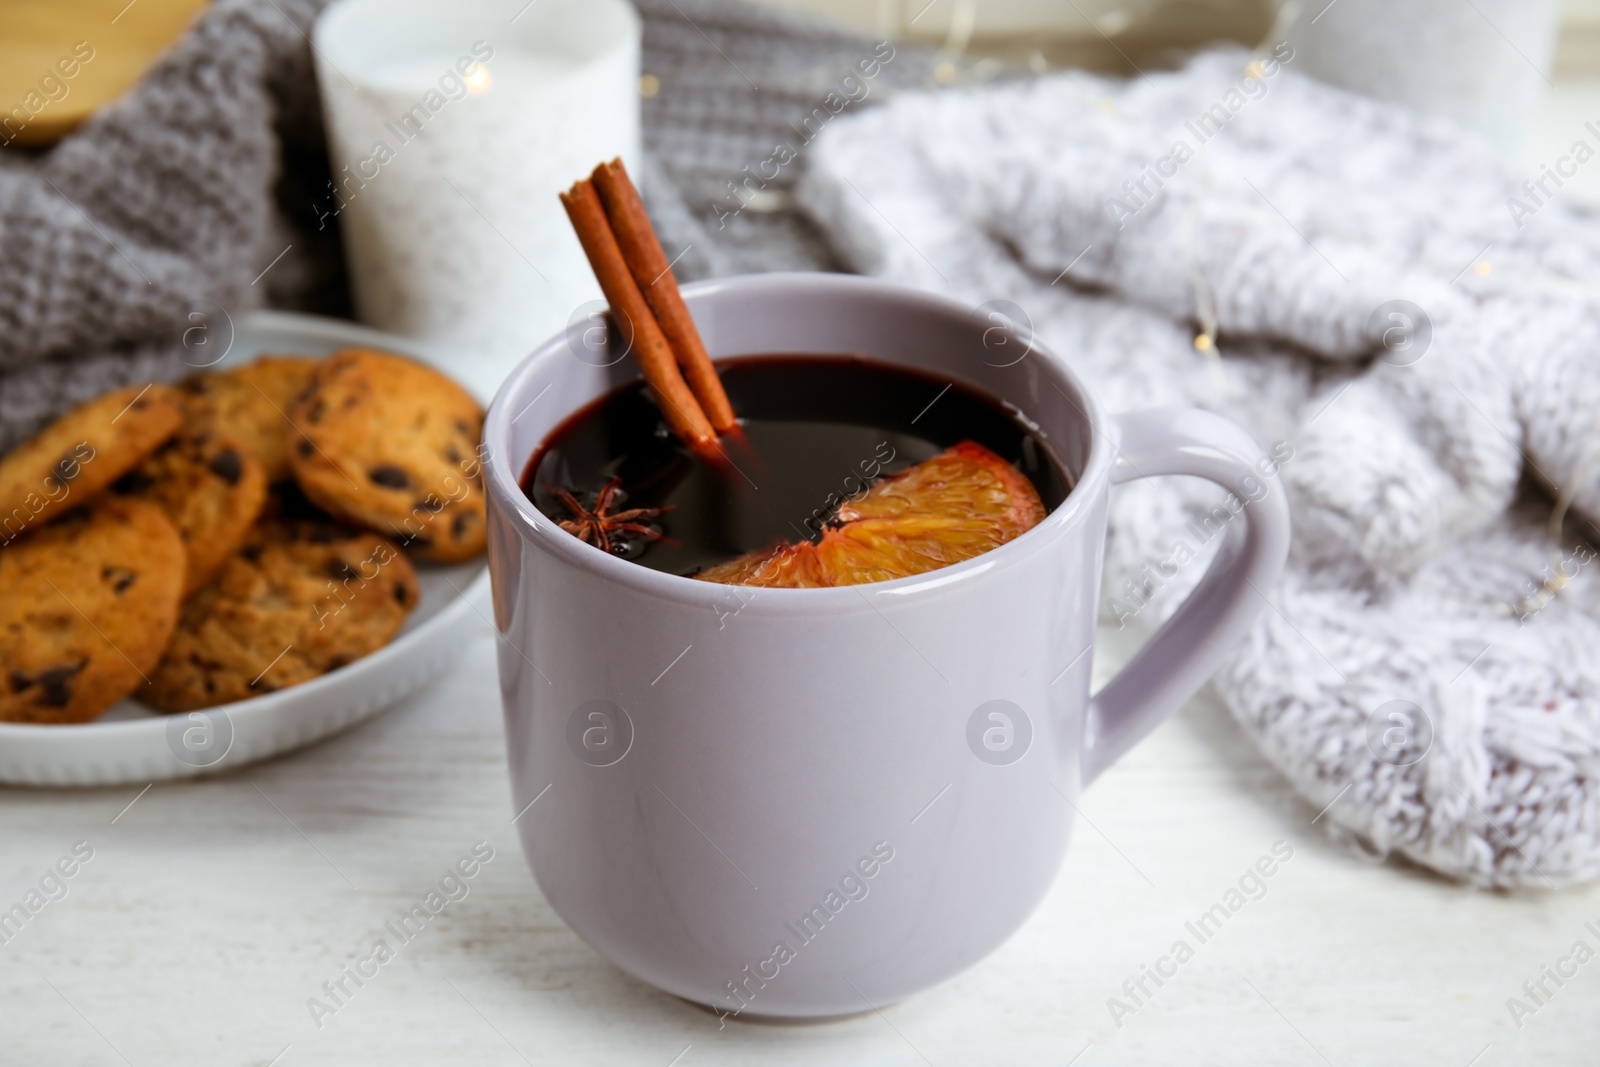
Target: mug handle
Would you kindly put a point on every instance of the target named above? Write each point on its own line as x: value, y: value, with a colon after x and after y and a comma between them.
x: 1188, y: 648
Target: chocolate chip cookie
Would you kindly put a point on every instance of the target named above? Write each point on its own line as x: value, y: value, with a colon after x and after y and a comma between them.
x: 210, y: 488
x: 251, y: 405
x: 90, y: 601
x: 393, y: 446
x: 81, y: 453
x: 299, y: 599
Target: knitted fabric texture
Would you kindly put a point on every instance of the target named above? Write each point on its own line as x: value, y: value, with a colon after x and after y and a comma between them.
x: 1426, y: 671
x: 163, y: 206
x: 744, y: 93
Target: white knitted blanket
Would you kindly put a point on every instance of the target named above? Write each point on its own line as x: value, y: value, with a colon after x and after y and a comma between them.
x: 1428, y: 669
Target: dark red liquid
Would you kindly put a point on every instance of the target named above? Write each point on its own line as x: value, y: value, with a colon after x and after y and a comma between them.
x: 819, y: 429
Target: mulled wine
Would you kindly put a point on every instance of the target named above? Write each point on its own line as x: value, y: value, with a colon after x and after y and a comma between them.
x: 818, y: 432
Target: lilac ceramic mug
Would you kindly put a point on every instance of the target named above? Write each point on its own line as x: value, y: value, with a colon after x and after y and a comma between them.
x: 810, y: 802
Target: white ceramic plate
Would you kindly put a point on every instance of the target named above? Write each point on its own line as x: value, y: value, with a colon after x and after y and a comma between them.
x: 131, y: 744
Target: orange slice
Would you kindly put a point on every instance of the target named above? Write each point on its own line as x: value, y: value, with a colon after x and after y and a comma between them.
x: 959, y: 504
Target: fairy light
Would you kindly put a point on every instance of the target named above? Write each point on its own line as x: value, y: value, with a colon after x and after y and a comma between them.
x: 1113, y: 22
x: 478, y: 79
x: 963, y: 17
x: 1548, y: 590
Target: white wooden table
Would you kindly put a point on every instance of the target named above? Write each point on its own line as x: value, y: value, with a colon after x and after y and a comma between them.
x: 213, y: 909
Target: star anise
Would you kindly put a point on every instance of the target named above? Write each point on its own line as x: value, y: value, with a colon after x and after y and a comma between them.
x: 599, y: 525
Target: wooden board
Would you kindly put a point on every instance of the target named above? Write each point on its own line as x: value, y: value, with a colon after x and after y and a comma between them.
x: 48, y: 86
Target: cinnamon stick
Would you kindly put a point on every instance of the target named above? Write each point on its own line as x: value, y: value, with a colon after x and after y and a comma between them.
x: 642, y: 251
x: 650, y: 346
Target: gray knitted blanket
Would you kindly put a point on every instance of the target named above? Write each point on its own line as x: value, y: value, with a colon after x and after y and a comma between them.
x: 165, y: 203
x: 197, y: 191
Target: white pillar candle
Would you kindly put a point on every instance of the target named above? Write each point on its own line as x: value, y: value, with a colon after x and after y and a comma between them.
x: 452, y: 128
x: 1483, y: 64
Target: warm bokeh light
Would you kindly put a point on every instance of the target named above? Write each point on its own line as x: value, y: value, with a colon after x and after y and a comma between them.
x: 478, y: 79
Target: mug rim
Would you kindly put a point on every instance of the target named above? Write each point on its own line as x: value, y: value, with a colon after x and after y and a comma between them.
x: 504, y: 483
